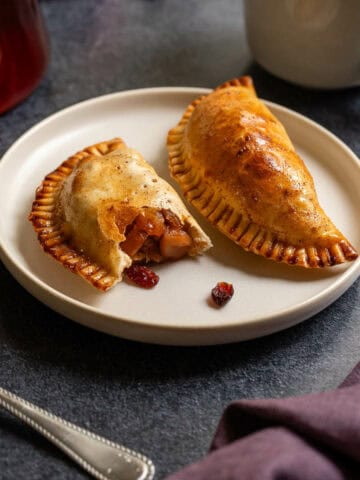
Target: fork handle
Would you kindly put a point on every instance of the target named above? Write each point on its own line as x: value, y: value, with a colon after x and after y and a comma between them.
x: 103, y: 459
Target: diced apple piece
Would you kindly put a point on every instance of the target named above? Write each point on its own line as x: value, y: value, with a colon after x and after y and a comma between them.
x: 174, y: 244
x: 151, y: 221
x: 134, y: 241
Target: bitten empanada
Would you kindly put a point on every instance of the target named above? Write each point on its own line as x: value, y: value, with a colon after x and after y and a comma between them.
x: 105, y: 208
x: 236, y: 164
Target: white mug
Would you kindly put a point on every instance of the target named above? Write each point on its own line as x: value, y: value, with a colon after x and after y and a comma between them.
x: 313, y: 43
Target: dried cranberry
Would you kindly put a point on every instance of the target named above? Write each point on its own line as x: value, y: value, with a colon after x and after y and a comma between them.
x: 143, y: 276
x: 222, y: 293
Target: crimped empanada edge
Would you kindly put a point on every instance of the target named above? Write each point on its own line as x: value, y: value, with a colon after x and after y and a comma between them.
x: 49, y: 228
x: 249, y: 235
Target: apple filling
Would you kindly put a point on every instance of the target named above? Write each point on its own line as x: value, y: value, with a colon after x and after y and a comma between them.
x: 155, y: 236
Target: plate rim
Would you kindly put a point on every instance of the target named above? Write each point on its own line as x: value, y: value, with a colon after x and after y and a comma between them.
x: 314, y: 304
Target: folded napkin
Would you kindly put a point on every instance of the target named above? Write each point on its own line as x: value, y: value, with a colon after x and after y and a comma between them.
x: 313, y: 437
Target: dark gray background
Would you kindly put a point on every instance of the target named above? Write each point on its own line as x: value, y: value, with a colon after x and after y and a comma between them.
x: 163, y: 401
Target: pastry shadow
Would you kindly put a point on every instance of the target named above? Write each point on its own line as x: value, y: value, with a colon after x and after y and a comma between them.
x: 160, y: 163
x: 229, y: 254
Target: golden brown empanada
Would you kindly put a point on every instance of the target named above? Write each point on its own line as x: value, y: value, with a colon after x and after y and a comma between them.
x: 236, y: 164
x: 105, y: 208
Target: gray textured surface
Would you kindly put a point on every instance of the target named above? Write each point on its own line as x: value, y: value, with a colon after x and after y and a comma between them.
x: 162, y: 401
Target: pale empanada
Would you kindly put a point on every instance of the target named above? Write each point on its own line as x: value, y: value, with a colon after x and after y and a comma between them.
x: 105, y: 208
x: 236, y: 164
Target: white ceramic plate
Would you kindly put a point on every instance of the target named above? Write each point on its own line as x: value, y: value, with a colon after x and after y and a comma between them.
x: 268, y: 296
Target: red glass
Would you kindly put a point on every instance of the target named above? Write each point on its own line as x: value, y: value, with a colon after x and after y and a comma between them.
x: 23, y: 50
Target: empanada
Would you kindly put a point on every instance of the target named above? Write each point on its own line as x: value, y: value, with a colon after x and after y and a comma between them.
x: 104, y: 208
x: 236, y: 164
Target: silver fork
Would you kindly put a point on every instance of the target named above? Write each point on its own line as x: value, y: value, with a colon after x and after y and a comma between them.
x: 103, y: 459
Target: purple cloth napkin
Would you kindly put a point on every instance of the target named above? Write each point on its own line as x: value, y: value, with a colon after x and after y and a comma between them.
x: 313, y: 437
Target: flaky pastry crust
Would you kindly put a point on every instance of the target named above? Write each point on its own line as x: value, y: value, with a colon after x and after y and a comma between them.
x: 236, y: 164
x: 82, y: 209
